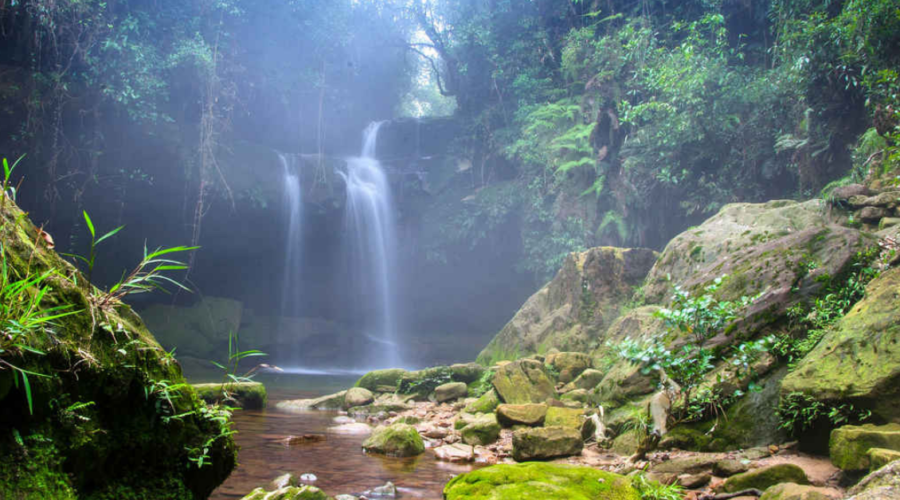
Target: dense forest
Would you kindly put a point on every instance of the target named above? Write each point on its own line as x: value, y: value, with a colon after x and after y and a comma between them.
x: 670, y: 225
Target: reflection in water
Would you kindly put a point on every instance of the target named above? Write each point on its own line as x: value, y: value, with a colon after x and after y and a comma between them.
x: 338, y: 462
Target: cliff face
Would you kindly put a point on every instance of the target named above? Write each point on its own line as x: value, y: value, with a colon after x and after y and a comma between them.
x: 90, y: 405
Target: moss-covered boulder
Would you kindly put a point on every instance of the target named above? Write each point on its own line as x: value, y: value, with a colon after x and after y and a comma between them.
x: 466, y: 372
x: 481, y: 430
x: 381, y: 380
x: 529, y: 414
x: 288, y: 493
x: 858, y: 360
x: 587, y: 380
x: 328, y: 402
x: 358, y: 396
x: 782, y: 248
x: 578, y: 395
x: 246, y: 395
x: 110, y: 414
x: 765, y: 477
x: 793, y: 491
x: 523, y: 381
x: 486, y: 403
x: 533, y: 481
x: 450, y: 392
x: 849, y: 445
x: 396, y: 440
x: 543, y: 443
x: 582, y: 300
x: 569, y: 365
x: 881, y: 484
x: 573, y: 418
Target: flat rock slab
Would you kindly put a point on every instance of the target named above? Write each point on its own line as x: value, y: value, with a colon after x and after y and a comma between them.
x: 849, y: 445
x: 527, y: 414
x: 546, y: 442
x: 457, y: 452
x: 765, y: 477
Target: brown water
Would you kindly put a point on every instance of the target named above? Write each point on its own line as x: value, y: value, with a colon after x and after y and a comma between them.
x: 338, y: 462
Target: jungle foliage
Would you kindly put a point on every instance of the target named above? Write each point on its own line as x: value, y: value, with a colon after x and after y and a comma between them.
x: 625, y: 122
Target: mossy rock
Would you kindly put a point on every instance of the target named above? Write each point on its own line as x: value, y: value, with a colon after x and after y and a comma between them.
x: 118, y: 442
x: 487, y: 403
x: 858, y: 360
x: 482, y: 430
x: 849, y: 445
x: 288, y: 493
x: 358, y: 396
x: 396, y: 440
x: 564, y: 417
x: 793, y: 491
x: 543, y: 443
x: 528, y: 414
x: 379, y: 380
x: 569, y: 365
x: 578, y: 396
x: 625, y: 443
x: 587, y: 380
x: 466, y: 372
x: 246, y: 395
x: 328, y: 402
x: 881, y: 484
x: 450, y: 392
x: 523, y: 381
x: 540, y: 481
x: 765, y: 477
x: 879, y: 457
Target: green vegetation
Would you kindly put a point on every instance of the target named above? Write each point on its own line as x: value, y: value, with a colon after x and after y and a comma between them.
x: 800, y: 413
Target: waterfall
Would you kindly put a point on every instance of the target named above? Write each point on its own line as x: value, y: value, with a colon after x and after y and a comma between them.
x: 371, y: 251
x: 293, y: 197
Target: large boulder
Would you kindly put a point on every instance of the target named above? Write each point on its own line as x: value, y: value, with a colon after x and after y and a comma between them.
x: 486, y: 403
x: 858, y: 360
x: 539, y: 480
x: 523, y: 381
x: 396, y: 440
x: 358, y: 396
x: 765, y: 477
x: 581, y: 301
x: 781, y: 249
x: 107, y: 412
x: 793, y: 491
x: 587, y: 380
x: 542, y: 443
x: 529, y: 414
x: 569, y: 365
x: 481, y: 430
x: 849, y: 445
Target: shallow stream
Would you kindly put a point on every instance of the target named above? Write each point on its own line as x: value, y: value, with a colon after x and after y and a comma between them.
x: 338, y: 462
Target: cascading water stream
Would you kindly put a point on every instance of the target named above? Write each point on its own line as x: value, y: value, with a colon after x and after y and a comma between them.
x: 293, y: 196
x: 371, y: 250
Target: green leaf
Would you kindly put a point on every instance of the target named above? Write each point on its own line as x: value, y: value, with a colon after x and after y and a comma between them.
x: 90, y: 225
x: 109, y: 234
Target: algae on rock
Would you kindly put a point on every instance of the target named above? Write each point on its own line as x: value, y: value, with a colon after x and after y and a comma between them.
x: 540, y: 480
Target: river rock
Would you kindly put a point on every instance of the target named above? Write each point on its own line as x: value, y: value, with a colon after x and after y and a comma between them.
x: 849, y: 445
x: 466, y: 372
x: 765, y: 477
x: 879, y: 457
x: 246, y: 395
x: 381, y: 380
x: 387, y: 490
x: 569, y: 365
x: 578, y: 396
x: 450, y: 392
x: 330, y: 402
x: 586, y: 380
x: 457, y: 452
x: 584, y: 298
x: 546, y: 442
x: 482, y: 430
x: 538, y: 480
x: 881, y: 484
x: 288, y: 493
x: 728, y: 468
x: 396, y: 440
x: 793, y: 491
x: 484, y: 404
x: 858, y: 360
x: 528, y: 414
x: 523, y: 381
x: 358, y: 396
x: 303, y: 439
x: 283, y: 480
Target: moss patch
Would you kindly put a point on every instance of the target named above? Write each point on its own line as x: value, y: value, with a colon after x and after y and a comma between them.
x: 762, y: 479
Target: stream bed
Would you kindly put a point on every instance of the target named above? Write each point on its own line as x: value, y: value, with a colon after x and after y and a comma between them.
x: 338, y: 462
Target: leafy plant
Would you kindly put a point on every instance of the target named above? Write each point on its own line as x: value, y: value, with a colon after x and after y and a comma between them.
x: 427, y: 384
x: 230, y: 369
x: 800, y: 412
x: 653, y: 490
x: 701, y: 317
x: 92, y: 254
x: 8, y: 189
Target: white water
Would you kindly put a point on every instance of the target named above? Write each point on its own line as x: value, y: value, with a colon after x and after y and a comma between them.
x: 370, y: 249
x: 293, y: 196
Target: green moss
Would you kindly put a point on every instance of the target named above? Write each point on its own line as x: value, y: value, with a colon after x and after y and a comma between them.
x: 849, y: 445
x: 246, y: 395
x: 571, y: 418
x: 396, y: 440
x: 481, y: 430
x: 539, y: 481
x: 378, y: 380
x: 485, y: 404
x: 765, y: 477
